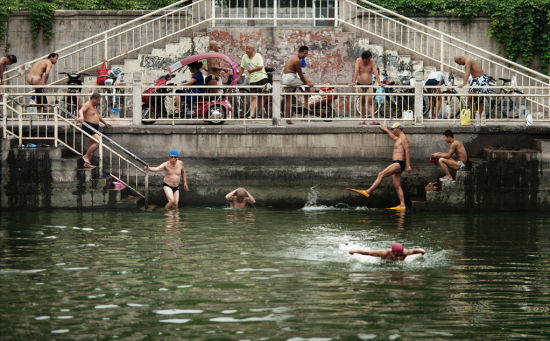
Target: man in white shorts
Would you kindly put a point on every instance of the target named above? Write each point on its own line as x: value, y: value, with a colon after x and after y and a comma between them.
x: 293, y: 77
x: 436, y: 78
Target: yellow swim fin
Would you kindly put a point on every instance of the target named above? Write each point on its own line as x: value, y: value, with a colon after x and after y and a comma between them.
x: 397, y: 208
x: 360, y: 191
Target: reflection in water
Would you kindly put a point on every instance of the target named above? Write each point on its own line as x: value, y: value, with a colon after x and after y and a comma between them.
x: 173, y: 228
x: 237, y: 215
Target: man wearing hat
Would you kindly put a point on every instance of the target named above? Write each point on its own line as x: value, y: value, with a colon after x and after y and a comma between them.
x: 173, y: 171
x: 401, y: 160
x: 397, y: 252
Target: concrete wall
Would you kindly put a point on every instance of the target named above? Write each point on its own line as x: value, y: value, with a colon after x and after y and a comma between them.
x: 72, y: 26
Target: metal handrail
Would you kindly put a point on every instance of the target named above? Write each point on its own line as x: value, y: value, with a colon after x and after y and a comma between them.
x: 440, y: 34
x: 132, y: 155
x: 105, y: 34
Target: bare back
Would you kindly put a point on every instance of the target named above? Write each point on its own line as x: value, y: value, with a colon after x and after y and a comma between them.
x: 458, y: 148
x: 293, y: 65
x: 172, y: 173
x: 90, y: 113
x: 235, y: 202
x: 365, y: 71
x: 37, y: 70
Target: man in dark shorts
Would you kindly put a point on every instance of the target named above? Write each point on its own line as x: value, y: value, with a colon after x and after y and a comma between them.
x: 90, y: 115
x: 253, y: 63
x: 397, y: 253
x: 38, y: 75
x: 365, y: 69
x: 173, y: 172
x: 401, y: 160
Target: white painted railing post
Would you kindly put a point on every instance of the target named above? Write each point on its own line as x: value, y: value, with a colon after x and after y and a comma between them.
x: 213, y: 9
x: 276, y: 99
x: 441, y: 54
x: 106, y: 51
x: 275, y: 2
x: 20, y: 116
x: 418, y: 100
x: 136, y: 100
x: 100, y: 156
x: 146, y: 187
x: 5, y: 116
x: 55, y: 126
x: 336, y: 2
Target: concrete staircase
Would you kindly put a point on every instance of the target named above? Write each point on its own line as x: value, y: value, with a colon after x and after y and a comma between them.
x: 48, y: 177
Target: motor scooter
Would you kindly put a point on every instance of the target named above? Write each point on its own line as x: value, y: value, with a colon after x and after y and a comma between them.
x: 72, y: 101
x: 214, y: 108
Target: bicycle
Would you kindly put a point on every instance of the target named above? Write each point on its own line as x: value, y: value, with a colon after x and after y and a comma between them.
x: 510, y: 105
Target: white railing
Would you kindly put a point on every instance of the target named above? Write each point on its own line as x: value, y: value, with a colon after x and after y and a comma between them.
x: 434, y: 46
x: 36, y: 122
x: 122, y: 40
x: 342, y: 103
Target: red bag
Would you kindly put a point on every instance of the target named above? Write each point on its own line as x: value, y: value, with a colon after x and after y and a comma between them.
x: 102, y: 74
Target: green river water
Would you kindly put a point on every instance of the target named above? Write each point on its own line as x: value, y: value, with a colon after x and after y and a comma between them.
x: 265, y: 274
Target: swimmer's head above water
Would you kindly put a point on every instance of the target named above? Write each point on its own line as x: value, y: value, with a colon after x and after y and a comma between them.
x: 396, y: 253
x: 397, y: 249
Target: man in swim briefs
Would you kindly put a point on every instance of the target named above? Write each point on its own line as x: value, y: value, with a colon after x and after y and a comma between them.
x: 365, y: 67
x: 294, y: 77
x: 401, y: 161
x: 173, y: 171
x: 89, y: 114
x: 445, y: 159
x: 479, y: 78
x: 41, y: 69
x: 239, y: 198
x: 397, y: 253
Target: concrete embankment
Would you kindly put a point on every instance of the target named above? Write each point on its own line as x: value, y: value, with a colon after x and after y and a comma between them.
x: 280, y: 165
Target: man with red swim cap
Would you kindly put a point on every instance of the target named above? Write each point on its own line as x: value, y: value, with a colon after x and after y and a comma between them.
x: 397, y: 252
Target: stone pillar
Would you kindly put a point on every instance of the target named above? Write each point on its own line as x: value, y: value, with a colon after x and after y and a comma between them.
x: 276, y: 99
x: 136, y: 99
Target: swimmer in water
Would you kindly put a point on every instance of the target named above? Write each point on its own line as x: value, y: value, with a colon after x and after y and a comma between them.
x: 239, y: 198
x: 397, y: 253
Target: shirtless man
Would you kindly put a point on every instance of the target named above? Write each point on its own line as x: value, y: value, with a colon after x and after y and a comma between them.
x: 365, y: 67
x: 4, y: 62
x: 173, y: 171
x: 445, y: 159
x: 41, y: 69
x: 89, y: 114
x: 293, y: 77
x: 240, y: 198
x: 213, y: 69
x: 396, y: 253
x: 401, y: 161
x: 479, y: 78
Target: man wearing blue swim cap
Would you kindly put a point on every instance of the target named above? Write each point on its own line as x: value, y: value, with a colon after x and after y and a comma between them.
x: 173, y: 171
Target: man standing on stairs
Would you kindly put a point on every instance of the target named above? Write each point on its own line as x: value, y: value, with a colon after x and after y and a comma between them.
x: 41, y: 69
x: 173, y: 172
x: 90, y: 115
x: 479, y: 78
x: 365, y: 67
x: 445, y: 159
x: 401, y: 160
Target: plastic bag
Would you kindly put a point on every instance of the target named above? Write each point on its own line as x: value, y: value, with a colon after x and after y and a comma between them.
x: 380, y: 99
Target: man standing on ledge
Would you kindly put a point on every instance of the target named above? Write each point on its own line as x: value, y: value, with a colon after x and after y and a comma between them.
x: 89, y: 114
x: 293, y: 77
x: 445, y: 159
x: 41, y: 69
x: 397, y: 253
x: 173, y: 171
x: 365, y: 68
x: 401, y: 161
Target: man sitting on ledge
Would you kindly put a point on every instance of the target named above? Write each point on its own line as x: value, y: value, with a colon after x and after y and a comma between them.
x: 445, y: 159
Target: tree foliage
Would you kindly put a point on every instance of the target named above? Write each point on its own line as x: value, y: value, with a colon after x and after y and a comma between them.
x: 520, y: 27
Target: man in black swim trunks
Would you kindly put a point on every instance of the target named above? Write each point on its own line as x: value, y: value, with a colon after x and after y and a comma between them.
x: 365, y: 68
x: 173, y: 171
x: 401, y: 161
x: 91, y: 116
